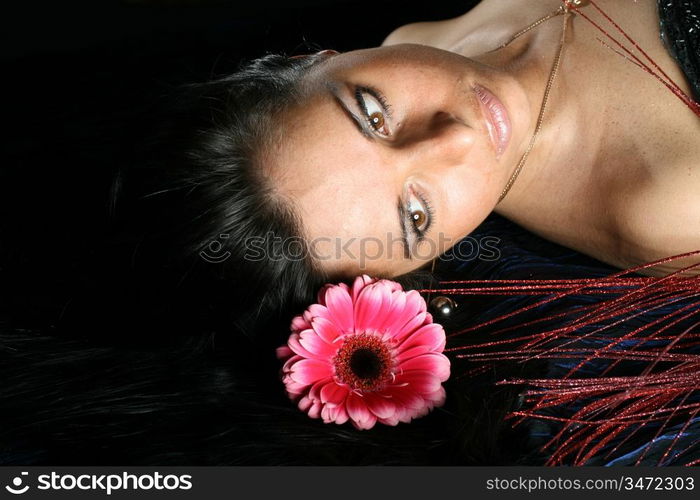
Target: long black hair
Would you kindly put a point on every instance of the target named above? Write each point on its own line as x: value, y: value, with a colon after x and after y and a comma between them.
x: 203, y: 216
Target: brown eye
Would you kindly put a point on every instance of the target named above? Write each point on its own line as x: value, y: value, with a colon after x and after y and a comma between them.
x: 419, y: 212
x: 418, y: 217
x: 375, y: 111
x: 377, y: 120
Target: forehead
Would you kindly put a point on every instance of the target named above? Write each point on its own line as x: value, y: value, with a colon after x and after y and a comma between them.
x: 340, y: 185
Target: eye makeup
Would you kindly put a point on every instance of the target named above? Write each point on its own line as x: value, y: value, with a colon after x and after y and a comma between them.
x: 418, y: 227
x: 374, y: 108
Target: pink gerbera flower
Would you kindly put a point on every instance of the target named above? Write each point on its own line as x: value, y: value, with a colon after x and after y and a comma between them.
x: 368, y: 354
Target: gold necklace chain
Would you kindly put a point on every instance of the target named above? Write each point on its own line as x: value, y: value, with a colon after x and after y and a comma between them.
x: 564, y: 9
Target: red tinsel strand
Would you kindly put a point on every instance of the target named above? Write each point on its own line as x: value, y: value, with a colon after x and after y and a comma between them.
x: 659, y: 432
x: 625, y: 355
x: 655, y: 335
x: 655, y: 302
x: 633, y: 333
x: 686, y: 449
x: 607, y: 312
x: 661, y: 390
x: 674, y: 342
x: 575, y: 290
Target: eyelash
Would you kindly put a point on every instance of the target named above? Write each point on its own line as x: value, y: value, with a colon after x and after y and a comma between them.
x: 386, y: 107
x: 429, y: 212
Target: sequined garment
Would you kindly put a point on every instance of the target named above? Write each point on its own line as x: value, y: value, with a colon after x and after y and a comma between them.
x: 680, y: 32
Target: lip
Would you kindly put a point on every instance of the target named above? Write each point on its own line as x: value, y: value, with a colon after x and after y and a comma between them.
x: 496, y: 118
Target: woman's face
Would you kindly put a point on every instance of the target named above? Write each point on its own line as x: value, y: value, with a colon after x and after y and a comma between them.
x: 391, y: 159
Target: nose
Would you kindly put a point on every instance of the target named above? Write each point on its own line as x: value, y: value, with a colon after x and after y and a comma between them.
x: 443, y: 140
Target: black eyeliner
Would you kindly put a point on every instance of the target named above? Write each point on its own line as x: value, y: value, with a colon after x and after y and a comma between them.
x: 386, y: 108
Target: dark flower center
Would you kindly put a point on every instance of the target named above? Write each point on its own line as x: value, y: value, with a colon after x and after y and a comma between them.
x: 363, y: 362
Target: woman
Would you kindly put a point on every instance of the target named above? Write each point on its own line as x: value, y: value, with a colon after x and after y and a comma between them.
x: 322, y: 167
x: 243, y: 203
x: 598, y: 179
x: 318, y: 168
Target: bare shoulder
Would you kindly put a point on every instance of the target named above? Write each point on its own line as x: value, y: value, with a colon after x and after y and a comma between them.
x: 425, y: 33
x: 662, y: 220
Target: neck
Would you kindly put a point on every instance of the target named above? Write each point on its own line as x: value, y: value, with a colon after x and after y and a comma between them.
x: 529, y: 61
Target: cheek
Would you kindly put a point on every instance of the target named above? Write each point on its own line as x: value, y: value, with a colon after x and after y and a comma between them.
x: 468, y: 199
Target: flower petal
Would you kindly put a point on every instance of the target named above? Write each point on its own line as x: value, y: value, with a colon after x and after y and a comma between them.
x: 360, y: 283
x: 411, y: 326
x: 393, y: 312
x: 333, y: 394
x: 367, y: 306
x: 408, y: 402
x: 405, y: 397
x: 438, y: 397
x: 421, y: 381
x: 315, y: 311
x: 283, y: 352
x: 314, y: 344
x: 308, y: 371
x: 299, y: 349
x: 304, y: 403
x: 432, y: 336
x: 392, y: 420
x: 340, y: 310
x: 294, y: 389
x: 321, y: 295
x: 336, y: 414
x: 341, y: 414
x: 382, y: 407
x: 358, y: 412
x: 392, y: 285
x: 406, y: 314
x: 299, y: 324
x: 411, y: 353
x: 433, y: 362
x: 287, y: 367
x: 325, y: 329
x: 315, y: 410
x: 315, y: 391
